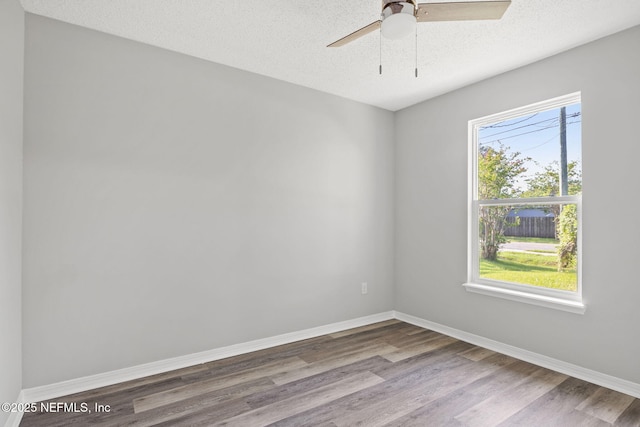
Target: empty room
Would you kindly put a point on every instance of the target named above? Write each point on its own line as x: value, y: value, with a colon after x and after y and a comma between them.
x: 336, y: 213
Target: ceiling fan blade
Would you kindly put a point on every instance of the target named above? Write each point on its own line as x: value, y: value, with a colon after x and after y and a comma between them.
x: 461, y: 11
x: 356, y: 34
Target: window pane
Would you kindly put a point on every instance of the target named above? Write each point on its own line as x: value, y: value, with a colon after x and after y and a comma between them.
x: 529, y: 245
x: 536, y: 155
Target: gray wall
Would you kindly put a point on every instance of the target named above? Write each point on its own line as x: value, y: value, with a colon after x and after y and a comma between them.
x: 11, y: 77
x: 174, y: 205
x: 431, y: 209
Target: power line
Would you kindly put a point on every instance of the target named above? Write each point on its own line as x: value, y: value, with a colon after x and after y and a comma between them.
x: 519, y: 127
x: 524, y: 126
x: 526, y: 133
x: 548, y: 140
x: 544, y: 143
x: 511, y: 124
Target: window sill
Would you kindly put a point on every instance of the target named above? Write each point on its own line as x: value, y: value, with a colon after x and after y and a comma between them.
x: 528, y: 298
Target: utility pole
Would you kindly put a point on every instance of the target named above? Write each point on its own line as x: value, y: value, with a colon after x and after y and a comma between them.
x: 564, y: 176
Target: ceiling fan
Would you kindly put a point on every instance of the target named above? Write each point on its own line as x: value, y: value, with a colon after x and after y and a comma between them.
x: 399, y: 18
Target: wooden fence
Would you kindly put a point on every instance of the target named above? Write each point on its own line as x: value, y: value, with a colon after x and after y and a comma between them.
x: 531, y: 227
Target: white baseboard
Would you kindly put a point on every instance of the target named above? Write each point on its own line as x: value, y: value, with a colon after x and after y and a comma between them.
x: 15, y: 417
x: 51, y: 391
x: 64, y: 388
x: 604, y: 380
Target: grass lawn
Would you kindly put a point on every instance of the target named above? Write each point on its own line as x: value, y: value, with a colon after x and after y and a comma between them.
x: 549, y: 240
x: 528, y: 269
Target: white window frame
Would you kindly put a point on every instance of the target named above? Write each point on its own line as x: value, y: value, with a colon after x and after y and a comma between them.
x: 546, y: 297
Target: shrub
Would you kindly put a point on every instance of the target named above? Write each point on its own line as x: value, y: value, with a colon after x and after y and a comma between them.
x: 567, y: 227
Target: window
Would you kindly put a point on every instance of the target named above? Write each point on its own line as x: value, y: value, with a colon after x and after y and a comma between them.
x: 525, y: 204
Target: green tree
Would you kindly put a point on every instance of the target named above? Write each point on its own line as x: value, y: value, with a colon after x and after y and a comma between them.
x: 547, y: 183
x: 498, y: 170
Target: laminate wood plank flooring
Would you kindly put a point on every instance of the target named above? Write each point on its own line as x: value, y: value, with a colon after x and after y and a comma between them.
x: 386, y: 374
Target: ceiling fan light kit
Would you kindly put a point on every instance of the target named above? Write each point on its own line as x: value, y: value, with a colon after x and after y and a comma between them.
x: 398, y: 20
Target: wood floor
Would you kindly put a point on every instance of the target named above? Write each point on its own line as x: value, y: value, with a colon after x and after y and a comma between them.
x: 386, y: 374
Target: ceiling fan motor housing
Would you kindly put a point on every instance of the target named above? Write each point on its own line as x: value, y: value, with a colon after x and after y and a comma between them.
x: 398, y: 19
x: 386, y: 2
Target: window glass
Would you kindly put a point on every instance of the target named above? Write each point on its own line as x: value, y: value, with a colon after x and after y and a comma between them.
x: 522, y: 156
x: 526, y: 198
x: 529, y: 252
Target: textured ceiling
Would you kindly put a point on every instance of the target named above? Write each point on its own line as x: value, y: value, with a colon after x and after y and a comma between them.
x: 286, y: 39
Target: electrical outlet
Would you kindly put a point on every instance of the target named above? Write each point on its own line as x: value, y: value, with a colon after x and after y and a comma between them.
x: 364, y: 288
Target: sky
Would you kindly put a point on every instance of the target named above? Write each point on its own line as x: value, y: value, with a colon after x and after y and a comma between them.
x: 537, y: 136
